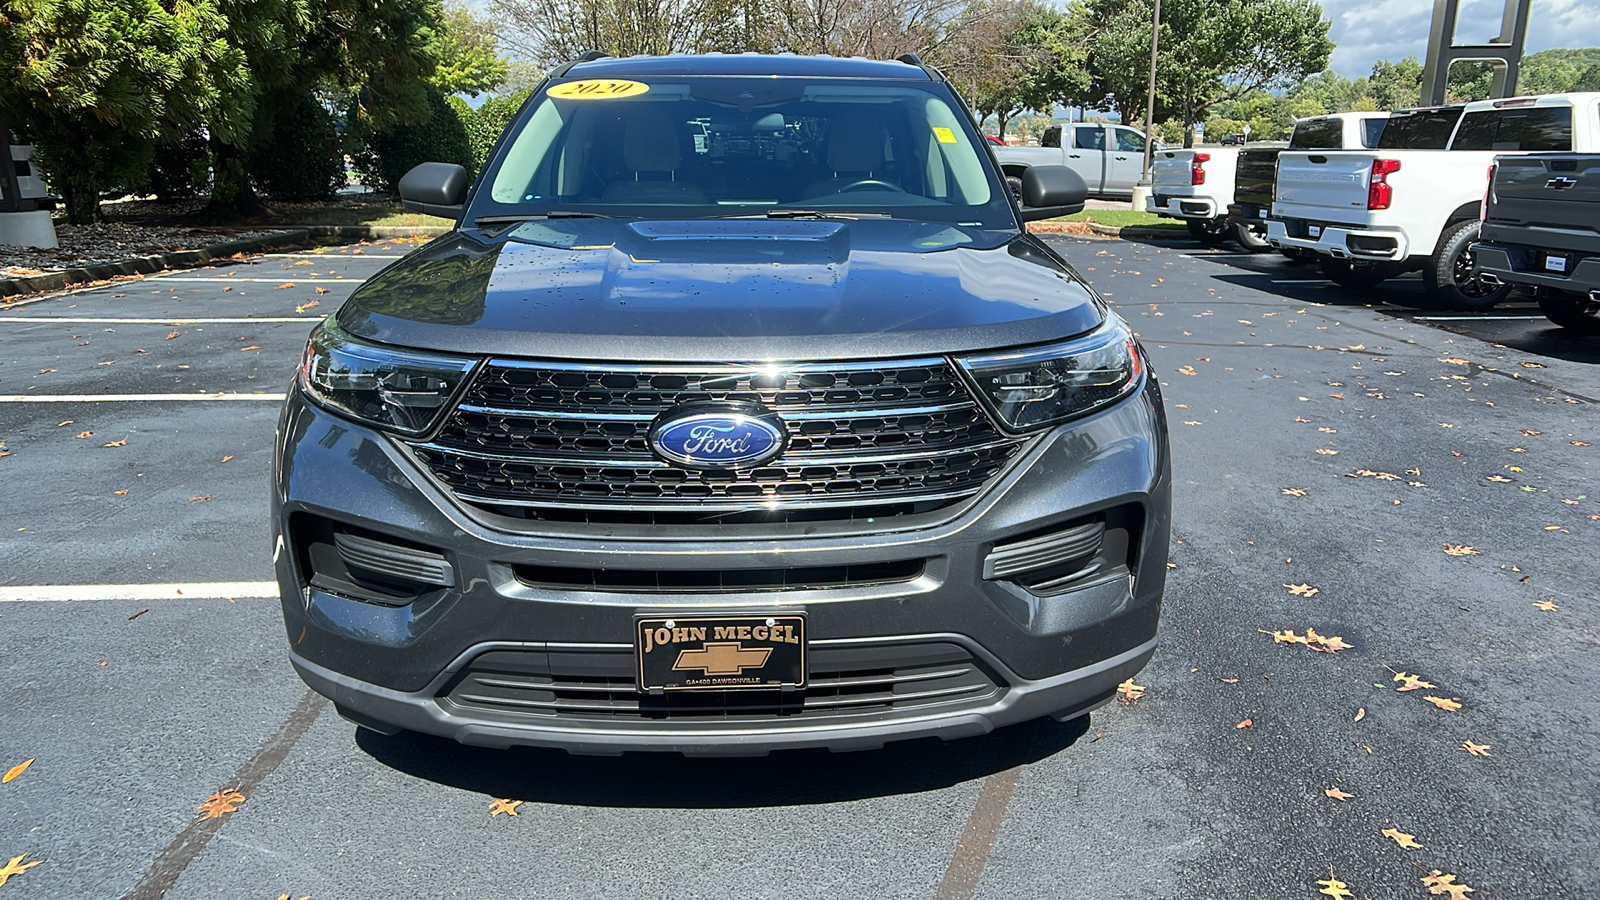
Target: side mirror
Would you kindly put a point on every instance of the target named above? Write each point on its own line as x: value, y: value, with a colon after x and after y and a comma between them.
x: 435, y: 189
x: 1050, y: 191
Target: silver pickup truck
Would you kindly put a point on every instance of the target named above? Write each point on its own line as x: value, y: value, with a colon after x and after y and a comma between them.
x: 1109, y: 158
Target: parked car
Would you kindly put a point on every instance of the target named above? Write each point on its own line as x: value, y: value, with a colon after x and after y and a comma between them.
x: 1256, y: 169
x: 1237, y: 139
x: 1413, y: 202
x: 994, y: 140
x: 1539, y: 230
x: 791, y: 437
x: 1109, y: 158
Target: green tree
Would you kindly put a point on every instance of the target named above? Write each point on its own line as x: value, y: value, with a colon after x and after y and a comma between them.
x: 469, y: 53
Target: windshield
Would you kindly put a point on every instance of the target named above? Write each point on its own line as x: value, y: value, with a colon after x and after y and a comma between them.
x: 675, y: 147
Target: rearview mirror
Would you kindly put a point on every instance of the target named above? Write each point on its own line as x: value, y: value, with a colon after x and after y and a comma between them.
x: 435, y: 189
x: 1050, y: 191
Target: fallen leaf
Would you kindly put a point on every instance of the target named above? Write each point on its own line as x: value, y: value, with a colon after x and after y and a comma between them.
x: 251, y: 347
x: 203, y: 498
x: 1529, y: 432
x: 46, y: 371
x: 509, y: 807
x: 1301, y: 590
x: 307, y: 305
x: 1406, y: 841
x: 286, y: 284
x: 121, y: 493
x: 1295, y: 492
x: 1501, y: 479
x: 1579, y: 443
x: 1459, y: 550
x: 173, y: 334
x: 1454, y: 361
x: 1323, y: 451
x: 227, y: 289
x: 1129, y: 693
x: 16, y: 770
x: 1186, y: 370
x: 1228, y: 680
x: 84, y: 434
x: 226, y: 458
x: 1335, y: 888
x: 1410, y: 682
x: 1361, y: 713
x: 1546, y: 605
x: 1443, y: 883
x: 121, y: 443
x: 137, y: 614
x: 1245, y: 724
x: 1326, y: 644
x: 1450, y: 705
x: 1533, y: 365
x: 320, y: 290
x: 1337, y: 794
x: 1284, y: 637
x: 221, y: 803
x: 1475, y: 749
x: 16, y: 867
x: 63, y: 422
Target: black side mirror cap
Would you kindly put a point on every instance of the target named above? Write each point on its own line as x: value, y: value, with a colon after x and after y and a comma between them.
x: 435, y: 189
x: 1050, y: 191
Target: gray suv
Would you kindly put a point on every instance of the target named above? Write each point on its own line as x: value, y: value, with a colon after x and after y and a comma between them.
x: 738, y: 412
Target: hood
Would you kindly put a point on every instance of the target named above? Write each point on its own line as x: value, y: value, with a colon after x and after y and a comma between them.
x: 725, y: 289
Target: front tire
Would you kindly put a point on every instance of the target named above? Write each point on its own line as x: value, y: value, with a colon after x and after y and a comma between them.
x: 1250, y: 236
x: 1573, y: 312
x: 1355, y: 276
x: 1211, y: 232
x: 1450, y: 275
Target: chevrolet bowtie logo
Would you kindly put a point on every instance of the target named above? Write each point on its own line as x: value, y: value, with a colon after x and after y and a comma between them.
x: 723, y: 658
x: 1561, y: 182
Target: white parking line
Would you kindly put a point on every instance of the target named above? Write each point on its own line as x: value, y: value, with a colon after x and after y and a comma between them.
x: 49, y: 593
x: 1477, y: 318
x: 133, y: 398
x: 72, y: 320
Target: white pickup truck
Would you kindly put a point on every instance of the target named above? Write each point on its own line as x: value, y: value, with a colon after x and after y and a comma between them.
x: 1413, y: 202
x: 1109, y: 158
x: 1199, y: 186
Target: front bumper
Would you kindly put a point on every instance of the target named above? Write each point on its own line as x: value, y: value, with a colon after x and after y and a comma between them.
x: 1182, y: 207
x: 1339, y: 241
x: 1006, y: 654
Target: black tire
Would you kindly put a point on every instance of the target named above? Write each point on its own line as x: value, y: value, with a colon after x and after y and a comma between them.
x: 1355, y: 276
x: 1573, y: 312
x: 1297, y: 256
x: 1449, y: 275
x: 1210, y: 232
x: 1014, y: 182
x: 1250, y: 236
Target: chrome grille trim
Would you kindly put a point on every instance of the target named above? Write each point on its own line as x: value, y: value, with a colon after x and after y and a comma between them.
x: 531, y: 434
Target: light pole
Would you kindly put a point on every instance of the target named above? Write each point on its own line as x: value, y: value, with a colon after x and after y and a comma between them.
x: 1141, y: 191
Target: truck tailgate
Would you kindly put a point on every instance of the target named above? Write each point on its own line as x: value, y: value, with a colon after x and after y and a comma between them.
x: 1553, y: 191
x: 1170, y: 173
x: 1254, y: 175
x: 1323, y: 185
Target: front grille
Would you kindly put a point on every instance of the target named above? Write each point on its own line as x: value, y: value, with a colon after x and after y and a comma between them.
x: 533, y: 436
x: 720, y: 580
x: 842, y: 681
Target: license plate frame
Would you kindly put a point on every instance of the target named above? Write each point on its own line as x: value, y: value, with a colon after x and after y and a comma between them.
x: 720, y: 652
x: 1314, y: 231
x: 1556, y: 262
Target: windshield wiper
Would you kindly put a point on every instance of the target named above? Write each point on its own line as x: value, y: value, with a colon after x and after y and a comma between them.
x: 527, y: 217
x: 843, y: 215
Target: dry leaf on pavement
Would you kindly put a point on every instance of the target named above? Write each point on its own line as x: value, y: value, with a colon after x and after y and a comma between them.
x: 16, y: 867
x: 16, y: 770
x: 1335, y: 888
x: 509, y: 807
x: 1337, y: 794
x: 1546, y: 605
x: 120, y: 443
x: 1459, y: 550
x: 1406, y: 841
x: 1245, y: 724
x: 1444, y: 883
x: 1361, y: 713
x: 1475, y: 749
x: 1450, y: 705
x: 1301, y: 590
x: 221, y: 803
x: 1410, y: 682
x: 1129, y: 693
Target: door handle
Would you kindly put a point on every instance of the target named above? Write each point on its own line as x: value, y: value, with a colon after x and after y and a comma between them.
x: 1074, y: 156
x: 1124, y: 158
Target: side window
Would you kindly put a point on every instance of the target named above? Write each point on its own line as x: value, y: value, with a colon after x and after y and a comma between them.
x: 1089, y: 137
x: 1372, y: 131
x: 1051, y: 137
x: 1129, y: 141
x: 1317, y: 134
x: 1547, y: 128
x: 1426, y: 129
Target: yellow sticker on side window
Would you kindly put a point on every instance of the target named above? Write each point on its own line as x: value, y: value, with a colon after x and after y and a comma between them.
x: 945, y: 135
x: 597, y: 89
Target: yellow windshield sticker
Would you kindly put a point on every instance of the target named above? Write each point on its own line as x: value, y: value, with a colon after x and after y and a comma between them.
x: 598, y: 89
x: 945, y: 135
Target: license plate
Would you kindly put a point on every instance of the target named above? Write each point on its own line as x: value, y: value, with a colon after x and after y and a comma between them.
x: 719, y: 653
x: 1313, y: 231
x: 1555, y: 263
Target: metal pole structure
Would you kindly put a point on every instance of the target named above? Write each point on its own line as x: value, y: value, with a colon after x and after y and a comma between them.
x: 1141, y: 191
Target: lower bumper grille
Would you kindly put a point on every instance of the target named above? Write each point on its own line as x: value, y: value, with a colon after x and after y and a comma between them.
x: 720, y: 580
x: 843, y: 681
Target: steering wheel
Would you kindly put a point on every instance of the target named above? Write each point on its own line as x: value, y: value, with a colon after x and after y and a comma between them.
x: 871, y: 183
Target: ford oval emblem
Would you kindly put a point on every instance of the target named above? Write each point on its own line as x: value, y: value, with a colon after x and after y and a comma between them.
x: 717, y: 438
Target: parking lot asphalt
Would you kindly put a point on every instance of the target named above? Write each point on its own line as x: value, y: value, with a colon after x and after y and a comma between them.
x: 1412, y: 480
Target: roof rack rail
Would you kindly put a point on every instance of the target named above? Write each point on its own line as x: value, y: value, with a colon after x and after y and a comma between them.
x: 588, y: 56
x: 911, y: 59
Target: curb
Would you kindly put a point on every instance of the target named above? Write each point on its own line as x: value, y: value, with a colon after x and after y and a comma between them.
x: 188, y: 259
x: 1132, y: 231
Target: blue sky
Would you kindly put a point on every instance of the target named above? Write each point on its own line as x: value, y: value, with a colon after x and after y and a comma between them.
x: 1369, y: 30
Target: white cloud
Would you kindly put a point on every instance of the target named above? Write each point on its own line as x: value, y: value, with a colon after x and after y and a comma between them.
x: 1369, y: 30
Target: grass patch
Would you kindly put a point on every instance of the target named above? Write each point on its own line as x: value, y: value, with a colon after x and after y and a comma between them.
x: 1120, y: 217
x: 362, y: 213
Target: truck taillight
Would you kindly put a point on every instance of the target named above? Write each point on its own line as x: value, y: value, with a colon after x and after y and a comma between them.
x: 1197, y: 168
x: 1379, y: 192
x: 1483, y: 205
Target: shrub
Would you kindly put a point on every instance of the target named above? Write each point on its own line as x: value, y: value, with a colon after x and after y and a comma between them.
x: 297, y: 155
x: 442, y: 137
x: 490, y: 119
x: 181, y: 169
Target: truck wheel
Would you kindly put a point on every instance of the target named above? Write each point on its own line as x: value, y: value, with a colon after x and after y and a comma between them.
x: 1574, y: 312
x: 1250, y: 236
x: 1355, y: 276
x: 1015, y: 184
x: 1449, y: 274
x: 1211, y: 232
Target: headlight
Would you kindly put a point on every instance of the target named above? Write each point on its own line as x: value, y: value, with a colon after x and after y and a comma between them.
x: 401, y: 390
x: 1040, y: 386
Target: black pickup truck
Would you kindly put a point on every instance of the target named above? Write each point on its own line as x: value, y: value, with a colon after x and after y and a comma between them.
x: 1541, y: 228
